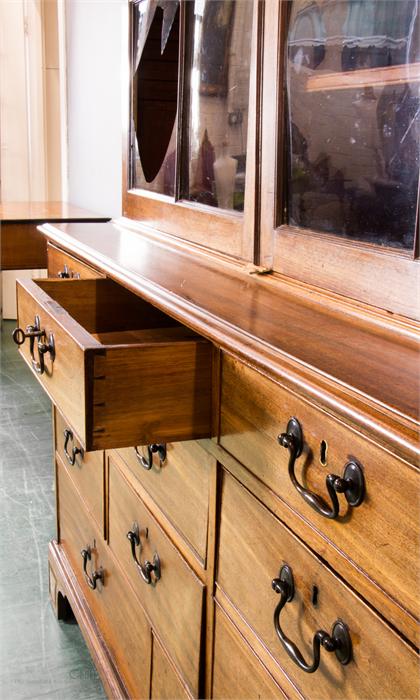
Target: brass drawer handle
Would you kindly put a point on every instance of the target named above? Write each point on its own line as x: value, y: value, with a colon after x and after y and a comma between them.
x: 352, y: 483
x: 338, y: 641
x: 147, y: 463
x: 71, y: 457
x: 34, y: 331
x: 148, y: 568
x: 96, y: 575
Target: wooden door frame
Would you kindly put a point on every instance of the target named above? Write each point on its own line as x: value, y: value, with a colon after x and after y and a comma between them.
x: 232, y: 233
x: 381, y: 277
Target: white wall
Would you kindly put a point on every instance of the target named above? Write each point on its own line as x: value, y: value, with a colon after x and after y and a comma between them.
x: 94, y: 104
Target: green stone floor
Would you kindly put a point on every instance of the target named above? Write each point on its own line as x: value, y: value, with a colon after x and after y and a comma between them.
x: 39, y: 656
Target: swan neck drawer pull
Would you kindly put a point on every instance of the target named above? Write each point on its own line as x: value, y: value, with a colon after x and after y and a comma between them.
x: 71, y: 456
x: 96, y: 576
x: 338, y: 641
x: 352, y: 483
x: 32, y: 332
x: 147, y: 568
x: 147, y: 462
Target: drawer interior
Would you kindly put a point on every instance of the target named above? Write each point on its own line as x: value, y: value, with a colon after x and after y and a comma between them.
x: 136, y: 375
x: 110, y: 312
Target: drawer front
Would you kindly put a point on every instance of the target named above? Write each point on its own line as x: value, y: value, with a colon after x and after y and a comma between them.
x: 86, y: 469
x: 120, y: 371
x: 174, y: 601
x: 254, y: 545
x: 61, y: 264
x: 380, y: 536
x: 112, y: 603
x: 179, y: 485
x: 237, y: 672
x: 63, y: 377
x: 165, y: 684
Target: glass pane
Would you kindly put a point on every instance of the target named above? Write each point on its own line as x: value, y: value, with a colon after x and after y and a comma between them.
x: 353, y: 76
x: 155, y: 41
x: 218, y: 102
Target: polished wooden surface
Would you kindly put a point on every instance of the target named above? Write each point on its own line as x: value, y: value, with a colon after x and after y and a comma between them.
x: 66, y: 591
x: 112, y: 603
x: 380, y: 537
x: 66, y: 383
x: 87, y: 472
x: 175, y: 602
x: 237, y: 671
x: 315, y: 538
x: 46, y: 211
x: 253, y: 545
x: 329, y: 349
x: 165, y: 683
x: 386, y: 278
x: 101, y: 386
x: 21, y: 248
x: 59, y: 262
x: 179, y: 487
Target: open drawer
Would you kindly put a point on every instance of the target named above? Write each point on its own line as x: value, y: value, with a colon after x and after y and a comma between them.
x: 121, y: 371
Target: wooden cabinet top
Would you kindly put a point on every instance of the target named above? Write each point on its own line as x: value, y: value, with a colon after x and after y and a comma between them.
x: 45, y: 211
x: 357, y: 362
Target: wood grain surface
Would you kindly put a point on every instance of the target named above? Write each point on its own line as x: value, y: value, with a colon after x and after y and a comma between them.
x: 58, y: 261
x: 165, y: 683
x: 380, y: 537
x: 179, y: 487
x: 103, y: 389
x: 21, y: 246
x: 112, y: 603
x: 175, y: 602
x: 87, y: 472
x: 328, y: 349
x: 238, y: 673
x: 253, y: 545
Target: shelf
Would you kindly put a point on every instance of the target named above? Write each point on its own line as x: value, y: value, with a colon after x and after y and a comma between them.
x: 366, y: 77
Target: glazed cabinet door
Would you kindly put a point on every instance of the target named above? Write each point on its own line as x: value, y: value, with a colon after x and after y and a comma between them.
x: 342, y: 214
x: 190, y: 155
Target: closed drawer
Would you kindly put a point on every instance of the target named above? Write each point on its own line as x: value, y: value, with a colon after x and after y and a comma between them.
x: 112, y: 603
x: 174, y: 600
x: 122, y: 372
x: 254, y: 546
x: 64, y: 265
x: 165, y: 682
x: 237, y: 672
x: 380, y: 536
x: 179, y: 485
x: 86, y: 469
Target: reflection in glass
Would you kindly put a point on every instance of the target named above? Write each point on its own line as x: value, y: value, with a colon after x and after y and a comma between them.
x: 155, y: 42
x: 220, y: 48
x: 353, y: 100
